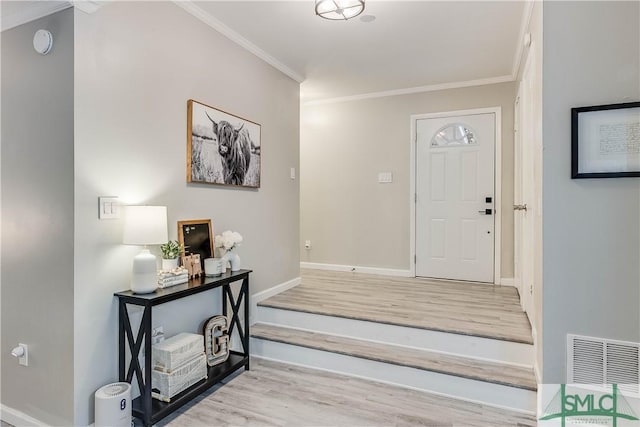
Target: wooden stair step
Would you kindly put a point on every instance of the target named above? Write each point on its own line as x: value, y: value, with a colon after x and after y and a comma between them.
x: 465, y: 367
x: 480, y: 310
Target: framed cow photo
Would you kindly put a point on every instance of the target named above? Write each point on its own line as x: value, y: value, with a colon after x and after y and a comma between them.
x: 222, y: 148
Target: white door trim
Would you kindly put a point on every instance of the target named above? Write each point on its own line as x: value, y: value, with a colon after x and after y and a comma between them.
x: 497, y: 184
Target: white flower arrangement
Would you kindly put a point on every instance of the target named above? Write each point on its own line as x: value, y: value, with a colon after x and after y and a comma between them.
x: 227, y: 240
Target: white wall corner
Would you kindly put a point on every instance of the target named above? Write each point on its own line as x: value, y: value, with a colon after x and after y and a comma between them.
x: 357, y: 269
x: 268, y: 293
x: 17, y: 418
x: 87, y: 6
x: 520, y: 47
x: 536, y: 343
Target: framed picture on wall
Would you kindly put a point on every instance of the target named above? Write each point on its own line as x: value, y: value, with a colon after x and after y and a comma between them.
x: 222, y: 148
x: 197, y: 237
x: 605, y: 141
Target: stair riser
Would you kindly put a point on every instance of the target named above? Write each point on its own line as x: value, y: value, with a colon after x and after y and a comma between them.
x: 466, y: 345
x: 457, y: 387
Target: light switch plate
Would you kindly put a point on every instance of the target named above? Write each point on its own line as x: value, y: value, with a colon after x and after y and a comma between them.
x: 108, y: 208
x: 292, y: 173
x: 385, y: 177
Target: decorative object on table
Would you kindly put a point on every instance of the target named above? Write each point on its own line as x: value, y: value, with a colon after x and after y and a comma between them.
x: 222, y: 148
x: 175, y: 351
x: 178, y: 363
x: 339, y: 10
x: 213, y: 267
x: 605, y: 141
x: 145, y: 225
x: 227, y: 242
x: 168, y: 278
x: 193, y: 265
x: 217, y: 342
x: 168, y: 384
x: 197, y: 236
x: 170, y: 253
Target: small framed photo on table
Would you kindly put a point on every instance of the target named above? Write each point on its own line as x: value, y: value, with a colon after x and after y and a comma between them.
x: 605, y: 141
x: 197, y: 237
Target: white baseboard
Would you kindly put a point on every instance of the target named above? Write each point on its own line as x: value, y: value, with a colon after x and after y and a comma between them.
x: 17, y: 418
x: 268, y: 293
x: 275, y: 290
x: 357, y: 269
x: 507, y: 281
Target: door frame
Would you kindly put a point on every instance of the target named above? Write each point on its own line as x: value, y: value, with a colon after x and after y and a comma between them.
x: 497, y: 235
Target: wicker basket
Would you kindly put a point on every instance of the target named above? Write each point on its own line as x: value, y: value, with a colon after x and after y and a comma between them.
x: 166, y: 385
x: 173, y: 352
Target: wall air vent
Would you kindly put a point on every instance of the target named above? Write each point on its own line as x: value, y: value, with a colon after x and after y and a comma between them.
x: 603, y: 361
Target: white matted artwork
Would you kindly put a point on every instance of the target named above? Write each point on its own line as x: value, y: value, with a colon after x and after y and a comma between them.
x: 606, y: 141
x: 222, y: 148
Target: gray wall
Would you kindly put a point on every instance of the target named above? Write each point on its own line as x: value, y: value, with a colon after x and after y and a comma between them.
x: 591, y: 228
x: 37, y: 220
x: 137, y: 63
x: 349, y: 217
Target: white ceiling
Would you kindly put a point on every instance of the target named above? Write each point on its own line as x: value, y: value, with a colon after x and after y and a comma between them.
x: 15, y: 13
x: 410, y: 44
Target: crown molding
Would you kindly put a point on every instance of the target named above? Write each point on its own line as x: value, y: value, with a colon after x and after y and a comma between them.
x: 217, y: 25
x: 524, y: 25
x: 35, y: 10
x: 412, y: 90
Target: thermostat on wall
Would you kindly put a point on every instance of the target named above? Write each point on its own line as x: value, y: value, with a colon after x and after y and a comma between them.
x: 43, y: 41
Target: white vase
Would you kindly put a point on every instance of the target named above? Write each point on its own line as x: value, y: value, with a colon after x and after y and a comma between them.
x: 235, y: 261
x: 233, y: 258
x: 169, y: 264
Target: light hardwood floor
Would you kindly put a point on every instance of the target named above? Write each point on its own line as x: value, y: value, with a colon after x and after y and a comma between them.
x: 274, y: 394
x: 456, y: 307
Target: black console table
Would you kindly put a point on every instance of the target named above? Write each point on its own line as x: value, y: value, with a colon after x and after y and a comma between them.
x: 149, y: 410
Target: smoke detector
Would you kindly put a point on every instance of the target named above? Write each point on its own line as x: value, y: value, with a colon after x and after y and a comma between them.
x: 43, y: 42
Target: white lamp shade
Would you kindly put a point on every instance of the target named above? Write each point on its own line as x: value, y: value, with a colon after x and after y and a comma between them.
x: 145, y: 225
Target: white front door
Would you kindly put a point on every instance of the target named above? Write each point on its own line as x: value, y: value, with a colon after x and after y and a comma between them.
x: 455, y: 197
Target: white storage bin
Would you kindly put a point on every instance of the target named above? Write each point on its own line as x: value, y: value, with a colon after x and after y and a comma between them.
x: 173, y: 352
x: 166, y: 385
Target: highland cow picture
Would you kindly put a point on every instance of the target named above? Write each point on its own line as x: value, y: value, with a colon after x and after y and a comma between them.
x: 222, y: 148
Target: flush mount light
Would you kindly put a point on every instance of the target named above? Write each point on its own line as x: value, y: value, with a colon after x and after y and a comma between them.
x: 339, y: 10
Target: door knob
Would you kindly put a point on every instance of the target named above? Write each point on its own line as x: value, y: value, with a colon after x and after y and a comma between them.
x: 486, y: 211
x: 520, y: 207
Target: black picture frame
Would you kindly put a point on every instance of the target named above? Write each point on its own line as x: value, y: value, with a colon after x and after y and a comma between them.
x: 197, y: 237
x: 618, y: 141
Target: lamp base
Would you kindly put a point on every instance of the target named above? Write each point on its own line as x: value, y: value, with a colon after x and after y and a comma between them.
x: 144, y: 278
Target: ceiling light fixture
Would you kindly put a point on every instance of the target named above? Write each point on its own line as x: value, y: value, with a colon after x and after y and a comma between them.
x: 339, y: 10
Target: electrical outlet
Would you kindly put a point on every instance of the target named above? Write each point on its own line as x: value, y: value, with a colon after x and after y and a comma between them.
x: 157, y: 335
x: 24, y: 358
x: 307, y: 244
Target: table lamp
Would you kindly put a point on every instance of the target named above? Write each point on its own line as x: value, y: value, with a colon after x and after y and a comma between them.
x: 145, y: 225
